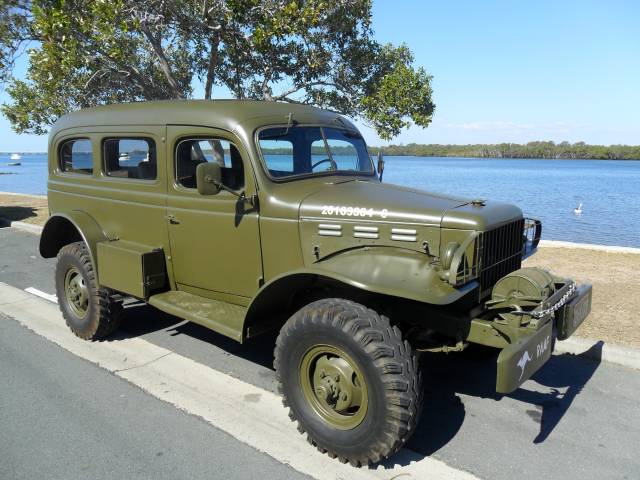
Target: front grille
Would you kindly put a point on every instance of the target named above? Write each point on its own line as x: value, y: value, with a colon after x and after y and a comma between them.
x: 499, y: 253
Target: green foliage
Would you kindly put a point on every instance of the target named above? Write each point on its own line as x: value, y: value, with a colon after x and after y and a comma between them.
x: 317, y: 52
x: 548, y: 150
x: 14, y: 31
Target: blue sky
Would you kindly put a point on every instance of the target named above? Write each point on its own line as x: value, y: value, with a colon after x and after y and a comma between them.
x: 509, y: 71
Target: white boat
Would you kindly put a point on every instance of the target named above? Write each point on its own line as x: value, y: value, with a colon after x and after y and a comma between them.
x: 15, y: 156
x: 124, y: 156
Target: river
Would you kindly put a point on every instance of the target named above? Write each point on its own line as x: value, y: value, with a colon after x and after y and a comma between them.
x: 546, y: 189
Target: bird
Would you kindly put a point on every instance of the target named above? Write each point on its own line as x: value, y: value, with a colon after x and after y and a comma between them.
x: 578, y: 209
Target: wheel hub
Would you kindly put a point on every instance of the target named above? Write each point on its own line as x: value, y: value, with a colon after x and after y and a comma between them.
x: 76, y: 292
x: 333, y: 385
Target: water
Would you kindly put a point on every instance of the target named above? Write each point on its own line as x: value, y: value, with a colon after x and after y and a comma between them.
x: 545, y: 189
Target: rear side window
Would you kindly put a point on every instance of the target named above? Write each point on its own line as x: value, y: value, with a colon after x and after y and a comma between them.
x: 76, y: 156
x: 130, y: 158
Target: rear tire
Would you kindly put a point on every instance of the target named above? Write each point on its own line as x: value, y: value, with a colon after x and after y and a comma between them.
x: 349, y: 380
x: 88, y: 309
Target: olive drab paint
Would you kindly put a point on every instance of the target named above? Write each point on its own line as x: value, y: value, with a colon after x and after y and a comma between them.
x: 237, y: 259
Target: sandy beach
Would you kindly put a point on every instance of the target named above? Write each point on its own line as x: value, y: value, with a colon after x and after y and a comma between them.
x: 24, y: 208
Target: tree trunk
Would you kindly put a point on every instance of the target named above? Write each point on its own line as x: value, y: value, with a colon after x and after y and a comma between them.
x: 213, y: 62
x: 162, y: 59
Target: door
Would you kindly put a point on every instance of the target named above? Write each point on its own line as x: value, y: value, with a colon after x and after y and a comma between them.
x: 215, y: 240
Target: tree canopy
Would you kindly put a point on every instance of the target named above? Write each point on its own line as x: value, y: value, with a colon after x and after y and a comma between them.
x: 319, y: 52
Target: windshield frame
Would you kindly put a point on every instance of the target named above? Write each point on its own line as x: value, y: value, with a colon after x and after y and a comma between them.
x: 324, y: 173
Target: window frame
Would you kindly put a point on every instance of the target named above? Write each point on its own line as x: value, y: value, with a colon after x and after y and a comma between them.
x: 302, y: 176
x: 189, y: 138
x: 103, y: 158
x: 59, y: 162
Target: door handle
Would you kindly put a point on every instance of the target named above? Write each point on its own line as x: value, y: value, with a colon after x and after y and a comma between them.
x: 173, y: 220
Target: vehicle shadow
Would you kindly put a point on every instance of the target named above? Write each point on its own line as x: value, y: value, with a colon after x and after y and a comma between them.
x: 141, y: 319
x: 14, y: 213
x: 473, y: 373
x: 445, y: 378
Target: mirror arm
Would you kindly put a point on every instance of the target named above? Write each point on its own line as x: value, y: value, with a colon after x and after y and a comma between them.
x: 250, y: 200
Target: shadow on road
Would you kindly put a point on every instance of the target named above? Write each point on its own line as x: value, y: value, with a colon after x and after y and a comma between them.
x: 14, y: 213
x: 474, y: 373
x: 142, y: 319
x: 445, y: 377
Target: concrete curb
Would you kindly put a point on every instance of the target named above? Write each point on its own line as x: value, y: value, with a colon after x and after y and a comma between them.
x: 24, y: 226
x: 610, y: 353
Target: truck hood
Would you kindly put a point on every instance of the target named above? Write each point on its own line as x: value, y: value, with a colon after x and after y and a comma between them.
x: 365, y: 200
x: 357, y: 213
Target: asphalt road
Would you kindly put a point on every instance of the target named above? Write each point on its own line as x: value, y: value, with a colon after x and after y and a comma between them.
x: 575, y: 419
x: 64, y: 418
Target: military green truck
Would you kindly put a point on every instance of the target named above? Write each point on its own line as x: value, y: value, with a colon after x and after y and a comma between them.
x: 248, y: 217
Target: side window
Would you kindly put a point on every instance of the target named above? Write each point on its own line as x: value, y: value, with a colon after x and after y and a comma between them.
x: 278, y: 156
x: 130, y: 158
x: 192, y: 152
x: 76, y: 156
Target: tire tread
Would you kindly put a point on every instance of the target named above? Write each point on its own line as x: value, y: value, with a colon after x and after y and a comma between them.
x: 392, y: 356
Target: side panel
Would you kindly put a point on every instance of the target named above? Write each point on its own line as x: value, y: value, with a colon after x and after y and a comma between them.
x: 215, y: 239
x: 123, y: 208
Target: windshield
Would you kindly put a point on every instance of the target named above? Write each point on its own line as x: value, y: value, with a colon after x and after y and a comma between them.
x: 293, y: 151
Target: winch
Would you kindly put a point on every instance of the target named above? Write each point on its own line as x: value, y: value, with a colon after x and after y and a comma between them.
x: 529, y: 284
x: 517, y: 293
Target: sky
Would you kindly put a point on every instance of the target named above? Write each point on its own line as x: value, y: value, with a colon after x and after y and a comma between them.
x: 505, y: 71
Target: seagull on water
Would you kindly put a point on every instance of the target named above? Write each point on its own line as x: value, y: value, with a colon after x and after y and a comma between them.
x: 578, y: 209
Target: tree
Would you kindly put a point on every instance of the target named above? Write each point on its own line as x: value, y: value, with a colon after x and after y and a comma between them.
x: 318, y: 52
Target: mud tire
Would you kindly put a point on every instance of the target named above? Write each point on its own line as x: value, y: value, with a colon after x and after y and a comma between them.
x: 387, y: 362
x: 103, y: 314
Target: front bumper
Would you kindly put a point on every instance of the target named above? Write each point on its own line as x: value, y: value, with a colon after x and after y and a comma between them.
x: 525, y: 355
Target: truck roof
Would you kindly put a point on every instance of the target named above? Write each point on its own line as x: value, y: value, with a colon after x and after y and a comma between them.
x: 228, y: 114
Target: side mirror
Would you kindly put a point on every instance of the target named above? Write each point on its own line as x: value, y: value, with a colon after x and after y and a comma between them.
x: 380, y: 165
x: 208, y: 178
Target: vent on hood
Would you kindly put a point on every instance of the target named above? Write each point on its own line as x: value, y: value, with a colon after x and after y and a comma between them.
x: 330, y: 230
x: 365, y: 232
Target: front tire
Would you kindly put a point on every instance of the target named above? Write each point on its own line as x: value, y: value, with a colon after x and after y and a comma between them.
x: 349, y: 380
x: 88, y: 309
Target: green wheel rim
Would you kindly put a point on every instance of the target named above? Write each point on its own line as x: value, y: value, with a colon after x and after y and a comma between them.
x: 334, y: 386
x: 76, y: 292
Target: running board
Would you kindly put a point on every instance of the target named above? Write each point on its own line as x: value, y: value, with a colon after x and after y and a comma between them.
x: 222, y: 317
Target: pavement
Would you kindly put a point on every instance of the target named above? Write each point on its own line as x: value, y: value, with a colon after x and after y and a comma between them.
x: 577, y: 418
x: 64, y: 418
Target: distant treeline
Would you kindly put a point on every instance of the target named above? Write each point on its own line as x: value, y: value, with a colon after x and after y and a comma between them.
x: 579, y: 150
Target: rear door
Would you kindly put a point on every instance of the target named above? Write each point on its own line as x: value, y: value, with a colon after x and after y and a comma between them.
x: 215, y: 239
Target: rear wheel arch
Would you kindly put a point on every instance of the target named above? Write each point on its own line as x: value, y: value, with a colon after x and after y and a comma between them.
x: 64, y: 229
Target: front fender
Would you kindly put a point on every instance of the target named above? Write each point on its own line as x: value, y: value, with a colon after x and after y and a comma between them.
x: 391, y: 271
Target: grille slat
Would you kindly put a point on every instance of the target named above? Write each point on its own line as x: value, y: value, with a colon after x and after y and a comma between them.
x: 500, y: 254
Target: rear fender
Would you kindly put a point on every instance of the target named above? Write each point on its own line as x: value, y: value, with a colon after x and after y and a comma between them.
x: 64, y: 228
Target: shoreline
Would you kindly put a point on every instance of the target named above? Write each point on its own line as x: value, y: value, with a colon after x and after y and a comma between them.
x: 375, y: 149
